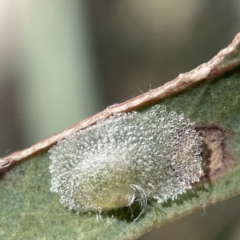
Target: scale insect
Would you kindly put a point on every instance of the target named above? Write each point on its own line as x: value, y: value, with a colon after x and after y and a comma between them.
x: 126, y: 158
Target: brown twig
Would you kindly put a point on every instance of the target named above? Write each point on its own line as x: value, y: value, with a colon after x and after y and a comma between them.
x: 225, y: 60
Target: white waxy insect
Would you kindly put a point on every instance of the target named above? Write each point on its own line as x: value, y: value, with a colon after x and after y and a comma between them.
x: 138, y: 155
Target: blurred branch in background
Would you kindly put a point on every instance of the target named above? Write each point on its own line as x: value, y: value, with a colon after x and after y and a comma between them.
x: 48, y: 45
x: 11, y: 131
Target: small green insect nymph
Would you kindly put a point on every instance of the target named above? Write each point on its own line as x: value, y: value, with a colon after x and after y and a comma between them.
x: 125, y: 158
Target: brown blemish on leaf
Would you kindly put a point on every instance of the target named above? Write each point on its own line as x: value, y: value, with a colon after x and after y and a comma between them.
x: 1, y: 174
x: 216, y: 158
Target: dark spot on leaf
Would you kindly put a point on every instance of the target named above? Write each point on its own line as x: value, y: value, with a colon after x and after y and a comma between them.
x: 1, y: 174
x: 216, y: 158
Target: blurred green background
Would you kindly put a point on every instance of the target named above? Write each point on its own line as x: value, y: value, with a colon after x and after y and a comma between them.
x: 64, y: 60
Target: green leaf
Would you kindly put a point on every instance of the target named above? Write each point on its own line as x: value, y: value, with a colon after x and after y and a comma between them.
x: 30, y: 211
